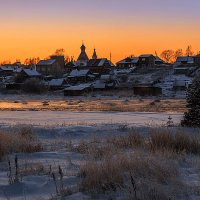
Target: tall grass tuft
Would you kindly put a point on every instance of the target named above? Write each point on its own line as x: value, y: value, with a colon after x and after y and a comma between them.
x: 20, y: 140
x: 178, y: 142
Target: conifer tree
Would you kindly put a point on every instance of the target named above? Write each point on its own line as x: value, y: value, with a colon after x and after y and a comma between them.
x: 192, y: 117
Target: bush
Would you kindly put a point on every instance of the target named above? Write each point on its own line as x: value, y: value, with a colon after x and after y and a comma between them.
x: 34, y: 86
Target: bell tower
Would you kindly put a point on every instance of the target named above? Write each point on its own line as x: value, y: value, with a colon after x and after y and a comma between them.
x: 94, y: 56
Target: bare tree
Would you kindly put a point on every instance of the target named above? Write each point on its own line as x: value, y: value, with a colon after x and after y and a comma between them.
x: 189, y: 51
x: 31, y: 61
x: 178, y: 53
x: 5, y: 62
x: 59, y: 52
x: 168, y: 55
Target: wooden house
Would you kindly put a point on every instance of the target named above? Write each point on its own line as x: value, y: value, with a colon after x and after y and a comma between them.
x: 50, y: 67
x: 100, y: 65
x: 197, y: 60
x: 57, y: 84
x: 80, y: 76
x: 30, y: 73
x: 184, y: 60
x: 6, y: 71
x: 77, y: 90
x: 146, y: 60
x: 128, y: 62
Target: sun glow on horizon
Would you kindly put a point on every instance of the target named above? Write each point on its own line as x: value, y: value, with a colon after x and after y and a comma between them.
x: 123, y: 28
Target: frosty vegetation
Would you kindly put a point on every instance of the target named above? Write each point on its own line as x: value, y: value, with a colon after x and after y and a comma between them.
x: 192, y: 117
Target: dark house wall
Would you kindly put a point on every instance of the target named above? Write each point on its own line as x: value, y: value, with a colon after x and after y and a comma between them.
x: 146, y: 61
x: 54, y: 69
x: 197, y: 60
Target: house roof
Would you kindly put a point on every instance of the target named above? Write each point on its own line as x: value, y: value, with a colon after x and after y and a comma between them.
x: 132, y: 60
x: 158, y: 59
x: 146, y: 55
x: 99, y: 84
x: 6, y: 68
x: 99, y: 62
x: 185, y: 59
x: 31, y: 72
x: 78, y: 87
x: 56, y: 82
x: 78, y: 73
x: 46, y: 62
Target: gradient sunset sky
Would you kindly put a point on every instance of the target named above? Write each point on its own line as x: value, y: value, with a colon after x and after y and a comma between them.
x: 32, y: 28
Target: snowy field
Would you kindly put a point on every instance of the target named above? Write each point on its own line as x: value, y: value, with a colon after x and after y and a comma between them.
x: 64, y: 118
x: 56, y: 130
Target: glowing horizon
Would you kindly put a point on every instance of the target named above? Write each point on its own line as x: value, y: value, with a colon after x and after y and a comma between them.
x: 36, y: 28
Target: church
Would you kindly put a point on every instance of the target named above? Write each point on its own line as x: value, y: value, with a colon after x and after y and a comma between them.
x: 95, y: 64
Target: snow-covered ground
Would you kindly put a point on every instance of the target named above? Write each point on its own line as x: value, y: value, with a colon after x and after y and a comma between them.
x: 64, y: 118
x: 55, y: 129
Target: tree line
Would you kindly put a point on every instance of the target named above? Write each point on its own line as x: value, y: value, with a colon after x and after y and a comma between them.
x: 170, y: 55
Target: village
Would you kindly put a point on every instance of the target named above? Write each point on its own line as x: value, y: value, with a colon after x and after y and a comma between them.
x: 146, y: 75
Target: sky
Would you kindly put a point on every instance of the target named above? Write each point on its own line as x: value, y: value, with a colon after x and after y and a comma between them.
x: 36, y: 28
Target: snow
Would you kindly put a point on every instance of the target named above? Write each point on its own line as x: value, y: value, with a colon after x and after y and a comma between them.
x: 56, y: 82
x: 60, y: 118
x: 101, y: 63
x: 6, y: 68
x: 78, y: 73
x: 78, y: 87
x: 46, y: 62
x: 31, y: 72
x: 98, y: 84
x: 83, y: 125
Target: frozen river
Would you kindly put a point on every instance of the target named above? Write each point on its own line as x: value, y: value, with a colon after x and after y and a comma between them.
x: 62, y: 118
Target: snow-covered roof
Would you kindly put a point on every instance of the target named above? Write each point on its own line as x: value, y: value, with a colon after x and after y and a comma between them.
x: 105, y: 77
x: 78, y: 73
x: 78, y: 87
x: 131, y: 60
x: 56, y: 82
x: 98, y: 85
x: 46, y: 62
x: 188, y: 59
x: 18, y: 69
x: 6, y: 68
x: 31, y: 72
x: 123, y: 71
x: 100, y: 62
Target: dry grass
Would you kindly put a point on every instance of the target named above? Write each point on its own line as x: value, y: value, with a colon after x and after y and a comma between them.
x: 132, y: 140
x: 94, y: 149
x: 159, y: 140
x: 139, y: 166
x: 21, y: 139
x: 114, y: 173
x: 178, y: 142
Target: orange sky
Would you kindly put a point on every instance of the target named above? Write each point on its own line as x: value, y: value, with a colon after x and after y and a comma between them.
x: 37, y: 30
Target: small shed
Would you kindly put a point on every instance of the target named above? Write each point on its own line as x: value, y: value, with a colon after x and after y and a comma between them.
x: 30, y: 73
x: 99, y: 85
x: 57, y: 84
x: 77, y: 90
x: 82, y: 75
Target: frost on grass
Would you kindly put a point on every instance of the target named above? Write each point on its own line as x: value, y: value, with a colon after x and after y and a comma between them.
x: 20, y: 139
